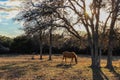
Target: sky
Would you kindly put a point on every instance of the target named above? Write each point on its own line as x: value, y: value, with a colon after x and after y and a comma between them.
x: 8, y: 11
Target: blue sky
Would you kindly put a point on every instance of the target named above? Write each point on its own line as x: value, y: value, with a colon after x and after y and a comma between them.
x: 8, y: 11
x: 3, y: 0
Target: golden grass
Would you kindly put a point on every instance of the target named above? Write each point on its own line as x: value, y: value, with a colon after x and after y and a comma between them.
x: 22, y: 67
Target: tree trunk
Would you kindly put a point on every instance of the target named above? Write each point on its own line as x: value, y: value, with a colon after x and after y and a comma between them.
x: 110, y: 48
x: 95, y: 54
x: 99, y: 57
x: 50, y: 48
x: 91, y: 50
x: 96, y: 57
x: 92, y: 57
x: 40, y: 51
x: 109, y: 59
x: 110, y: 43
x: 40, y: 45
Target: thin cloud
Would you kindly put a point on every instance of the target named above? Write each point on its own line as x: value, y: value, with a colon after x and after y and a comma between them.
x: 11, y: 7
x: 12, y: 14
x: 10, y: 34
x: 1, y: 8
x: 0, y: 20
x: 11, y: 3
x: 5, y: 23
x: 8, y: 9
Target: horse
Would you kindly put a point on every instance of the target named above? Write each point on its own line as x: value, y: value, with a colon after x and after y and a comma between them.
x: 72, y: 55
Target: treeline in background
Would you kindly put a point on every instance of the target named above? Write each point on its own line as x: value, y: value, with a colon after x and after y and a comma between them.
x: 25, y: 44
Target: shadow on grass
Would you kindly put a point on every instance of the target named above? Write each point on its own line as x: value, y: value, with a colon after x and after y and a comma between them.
x: 98, y: 74
x: 65, y: 66
x: 7, y: 66
x: 112, y: 70
x: 10, y: 72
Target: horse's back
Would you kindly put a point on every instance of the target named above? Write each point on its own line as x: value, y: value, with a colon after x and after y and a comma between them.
x: 69, y: 54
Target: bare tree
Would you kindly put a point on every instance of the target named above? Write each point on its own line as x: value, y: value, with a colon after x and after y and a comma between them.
x: 41, y: 16
x: 90, y: 22
x: 32, y: 21
x: 115, y: 12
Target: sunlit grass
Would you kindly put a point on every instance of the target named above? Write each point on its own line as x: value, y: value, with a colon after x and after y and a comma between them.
x: 22, y: 67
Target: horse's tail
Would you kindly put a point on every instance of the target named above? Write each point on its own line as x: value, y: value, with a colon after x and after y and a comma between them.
x: 76, y: 59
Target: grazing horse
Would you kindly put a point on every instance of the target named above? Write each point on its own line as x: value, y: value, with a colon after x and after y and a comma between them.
x: 72, y: 55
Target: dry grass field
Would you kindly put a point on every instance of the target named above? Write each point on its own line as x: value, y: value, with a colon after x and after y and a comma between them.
x: 22, y: 67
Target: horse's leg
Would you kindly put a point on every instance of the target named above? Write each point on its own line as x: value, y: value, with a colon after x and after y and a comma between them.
x: 71, y: 61
x: 65, y: 59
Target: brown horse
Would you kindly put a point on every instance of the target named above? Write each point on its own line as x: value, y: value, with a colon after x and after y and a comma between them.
x: 72, y: 55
